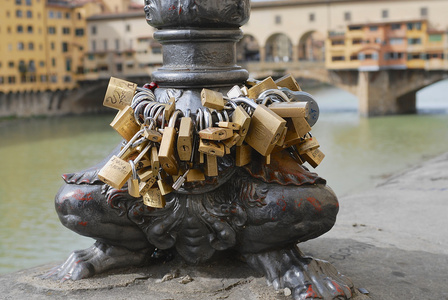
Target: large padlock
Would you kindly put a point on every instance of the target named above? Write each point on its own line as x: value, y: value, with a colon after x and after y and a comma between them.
x: 260, y: 87
x: 265, y: 129
x: 119, y: 93
x: 124, y: 123
x: 212, y: 99
x: 313, y: 157
x: 167, y: 153
x: 289, y: 82
x: 117, y: 171
x: 154, y: 198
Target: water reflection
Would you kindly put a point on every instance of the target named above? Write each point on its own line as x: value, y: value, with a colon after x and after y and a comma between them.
x: 34, y: 153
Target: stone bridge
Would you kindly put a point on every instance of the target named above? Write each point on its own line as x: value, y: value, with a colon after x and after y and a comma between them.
x: 381, y: 92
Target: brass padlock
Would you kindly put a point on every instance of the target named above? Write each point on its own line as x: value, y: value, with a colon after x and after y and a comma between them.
x: 117, y: 171
x: 230, y: 125
x: 150, y: 133
x: 124, y: 123
x: 170, y: 107
x: 307, y: 144
x: 257, y: 89
x: 281, y: 140
x: 155, y: 162
x: 230, y: 142
x: 289, y: 82
x: 290, y: 109
x: 265, y: 129
x: 144, y: 186
x: 119, y: 93
x: 164, y: 187
x: 242, y: 118
x: 243, y: 155
x: 211, y: 167
x: 313, y: 157
x: 146, y: 174
x: 195, y: 175
x: 185, y: 139
x: 133, y: 183
x: 216, y: 133
x: 212, y: 99
x: 153, y: 198
x: 300, y: 125
x: 211, y: 148
x: 143, y: 164
x: 167, y: 153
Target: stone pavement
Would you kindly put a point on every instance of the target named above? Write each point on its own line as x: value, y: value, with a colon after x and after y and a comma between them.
x: 392, y: 241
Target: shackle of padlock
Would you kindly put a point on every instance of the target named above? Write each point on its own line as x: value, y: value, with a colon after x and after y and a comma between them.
x: 129, y: 144
x: 133, y: 182
x: 276, y: 93
x: 249, y: 102
x: 199, y: 120
x: 147, y: 92
x: 138, y: 110
x: 300, y: 96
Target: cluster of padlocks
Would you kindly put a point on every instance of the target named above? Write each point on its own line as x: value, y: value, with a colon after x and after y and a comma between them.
x: 165, y: 148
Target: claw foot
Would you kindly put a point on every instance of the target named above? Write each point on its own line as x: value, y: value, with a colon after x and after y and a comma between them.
x: 306, y: 277
x: 97, y: 258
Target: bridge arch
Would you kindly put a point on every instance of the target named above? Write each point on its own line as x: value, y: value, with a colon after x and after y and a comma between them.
x: 248, y: 49
x: 278, y: 48
x: 311, y: 46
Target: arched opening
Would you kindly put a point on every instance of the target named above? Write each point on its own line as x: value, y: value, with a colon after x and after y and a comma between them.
x: 433, y: 98
x: 278, y: 48
x: 247, y: 49
x: 312, y: 46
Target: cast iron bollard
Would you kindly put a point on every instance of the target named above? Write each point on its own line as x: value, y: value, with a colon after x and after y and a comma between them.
x: 260, y: 210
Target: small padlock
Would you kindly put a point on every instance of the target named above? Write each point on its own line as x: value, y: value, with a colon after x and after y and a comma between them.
x: 211, y: 166
x: 212, y: 99
x: 289, y: 82
x: 235, y: 92
x: 281, y: 140
x: 230, y: 142
x: 216, y: 133
x: 211, y: 148
x: 155, y: 162
x: 313, y: 157
x: 300, y: 125
x: 242, y: 118
x: 307, y: 144
x: 133, y: 183
x: 163, y: 185
x: 149, y: 131
x: 154, y: 198
x: 243, y: 155
x: 290, y: 109
x: 124, y: 123
x: 167, y: 153
x: 185, y: 139
x: 265, y: 129
x: 119, y: 93
x: 142, y: 164
x: 170, y: 107
x: 230, y: 125
x: 260, y: 87
x: 117, y: 171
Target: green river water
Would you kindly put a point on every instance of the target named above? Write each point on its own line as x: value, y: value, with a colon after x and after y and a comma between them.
x: 34, y: 153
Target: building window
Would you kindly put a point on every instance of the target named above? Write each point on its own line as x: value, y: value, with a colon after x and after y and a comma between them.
x: 79, y: 31
x: 337, y: 42
x: 11, y: 64
x: 51, y: 30
x: 354, y: 28
x: 347, y: 16
x: 19, y: 2
x: 64, y: 47
x: 29, y: 29
x: 119, y: 67
x: 79, y: 16
x: 93, y: 45
x: 42, y: 63
x: 385, y: 14
x: 105, y: 45
x: 93, y: 30
x: 59, y: 15
x: 117, y: 45
x: 67, y: 15
x: 29, y: 14
x: 373, y: 28
x: 435, y: 37
x: 19, y: 28
x: 51, y: 14
x: 54, y: 78
x: 53, y: 62
x: 418, y: 26
x: 338, y: 58
x: 18, y: 13
x: 357, y: 41
x: 20, y: 46
x: 414, y: 41
x: 31, y: 66
x: 128, y: 28
x: 52, y: 45
x: 68, y: 64
x: 28, y: 2
x: 278, y: 19
x: 30, y: 46
x: 396, y: 41
x: 43, y: 78
x: 65, y: 30
x: 423, y: 12
x: 395, y: 26
x: 11, y: 79
x: 311, y: 17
